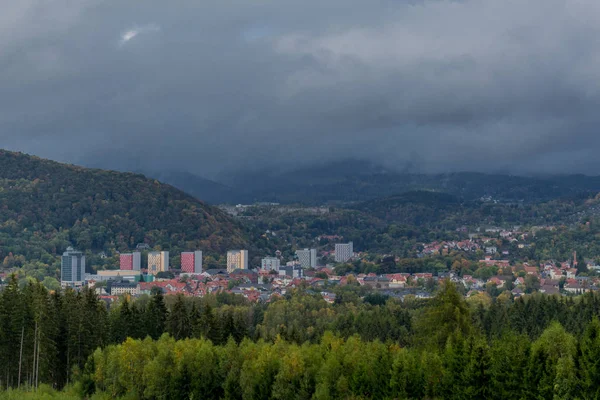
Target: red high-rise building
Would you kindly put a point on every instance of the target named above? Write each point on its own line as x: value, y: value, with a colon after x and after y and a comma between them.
x: 126, y: 262
x: 130, y: 261
x: 191, y: 262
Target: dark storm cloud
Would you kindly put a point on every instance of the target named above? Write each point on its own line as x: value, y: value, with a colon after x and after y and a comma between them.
x: 215, y: 86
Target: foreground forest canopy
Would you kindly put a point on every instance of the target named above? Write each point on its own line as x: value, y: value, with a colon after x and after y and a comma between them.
x: 364, y: 346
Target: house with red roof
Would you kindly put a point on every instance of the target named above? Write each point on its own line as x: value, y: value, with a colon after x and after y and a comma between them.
x: 531, y: 270
x: 396, y: 280
x: 519, y: 281
x: 496, y: 281
x: 555, y: 273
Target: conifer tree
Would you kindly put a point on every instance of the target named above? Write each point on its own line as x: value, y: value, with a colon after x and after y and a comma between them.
x: 589, y: 361
x: 178, y: 322
x: 155, y: 315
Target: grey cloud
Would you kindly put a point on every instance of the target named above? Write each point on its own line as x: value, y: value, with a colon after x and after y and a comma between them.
x: 217, y: 86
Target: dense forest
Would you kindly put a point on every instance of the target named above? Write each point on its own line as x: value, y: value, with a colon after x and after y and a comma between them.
x: 400, y: 224
x: 364, y: 346
x: 47, y: 206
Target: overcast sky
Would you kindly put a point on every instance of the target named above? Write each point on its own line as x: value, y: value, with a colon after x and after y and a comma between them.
x: 211, y: 86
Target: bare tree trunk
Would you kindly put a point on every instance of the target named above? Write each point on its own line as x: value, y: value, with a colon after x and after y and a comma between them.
x: 37, y: 365
x: 35, y: 344
x: 68, y: 361
x: 21, y: 355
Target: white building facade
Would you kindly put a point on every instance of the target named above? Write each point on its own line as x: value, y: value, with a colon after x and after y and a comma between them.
x: 270, y: 263
x: 344, y: 252
x: 307, y: 258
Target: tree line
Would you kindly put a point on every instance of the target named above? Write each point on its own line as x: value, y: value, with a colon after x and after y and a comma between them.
x: 67, y: 338
x: 449, y: 357
x: 556, y: 365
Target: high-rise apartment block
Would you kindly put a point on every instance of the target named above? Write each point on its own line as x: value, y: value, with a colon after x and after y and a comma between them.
x: 72, y: 267
x: 158, y: 261
x: 237, y: 259
x: 270, y: 264
x: 343, y: 252
x: 307, y: 258
x: 130, y: 261
x: 191, y: 262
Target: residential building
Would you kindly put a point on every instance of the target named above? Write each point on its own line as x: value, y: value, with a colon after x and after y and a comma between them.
x: 396, y: 280
x: 123, y: 287
x: 491, y: 250
x: 307, y: 258
x: 556, y: 273
x: 377, y: 282
x: 593, y: 266
x: 158, y: 261
x: 244, y: 274
x: 126, y: 261
x: 270, y: 263
x: 343, y: 252
x: 237, y: 259
x: 72, y: 268
x: 329, y: 297
x: 531, y: 270
x: 191, y: 262
x: 130, y: 261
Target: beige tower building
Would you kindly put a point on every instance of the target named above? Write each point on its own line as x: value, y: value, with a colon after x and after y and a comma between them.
x: 237, y: 259
x: 158, y: 261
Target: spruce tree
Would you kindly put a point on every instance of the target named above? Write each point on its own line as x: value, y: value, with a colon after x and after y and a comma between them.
x: 589, y: 361
x: 155, y: 315
x: 178, y: 322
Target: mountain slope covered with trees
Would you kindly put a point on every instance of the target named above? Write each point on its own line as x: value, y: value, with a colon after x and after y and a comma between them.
x: 46, y: 206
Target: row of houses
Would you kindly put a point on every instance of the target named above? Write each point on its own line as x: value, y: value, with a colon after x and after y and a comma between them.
x: 262, y: 284
x: 259, y: 285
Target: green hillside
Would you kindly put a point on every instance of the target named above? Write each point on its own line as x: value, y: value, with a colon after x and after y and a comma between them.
x: 46, y: 206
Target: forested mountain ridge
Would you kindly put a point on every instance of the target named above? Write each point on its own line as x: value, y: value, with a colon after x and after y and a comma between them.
x: 400, y: 224
x: 46, y: 206
x: 425, y: 208
x: 358, y: 181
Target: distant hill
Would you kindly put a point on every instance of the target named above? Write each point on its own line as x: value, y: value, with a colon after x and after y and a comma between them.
x: 358, y: 181
x: 46, y: 206
x: 426, y: 198
x: 430, y: 209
